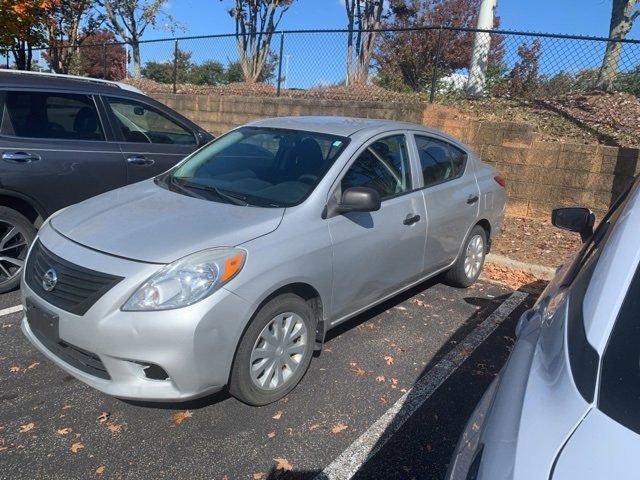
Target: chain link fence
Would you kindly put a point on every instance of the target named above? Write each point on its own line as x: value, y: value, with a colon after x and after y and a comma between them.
x: 405, y: 65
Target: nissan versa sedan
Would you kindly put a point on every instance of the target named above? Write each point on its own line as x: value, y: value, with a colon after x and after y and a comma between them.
x: 566, y: 404
x: 229, y: 269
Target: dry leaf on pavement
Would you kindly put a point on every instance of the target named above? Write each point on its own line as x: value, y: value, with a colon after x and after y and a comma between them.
x: 380, y: 378
x: 388, y: 359
x: 103, y: 417
x: 14, y: 369
x: 314, y: 426
x: 257, y: 475
x: 114, y: 427
x: 33, y: 365
x: 180, y: 417
x: 63, y: 431
x: 283, y: 464
x: 271, y: 434
x: 277, y: 415
x: 338, y: 427
x: 100, y: 469
x: 27, y: 427
x: 358, y: 371
x: 76, y: 446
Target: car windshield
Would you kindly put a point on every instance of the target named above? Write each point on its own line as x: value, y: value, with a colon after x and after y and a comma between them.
x: 258, y: 166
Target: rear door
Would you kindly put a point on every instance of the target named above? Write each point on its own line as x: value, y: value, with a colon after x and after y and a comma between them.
x: 451, y: 196
x: 54, y: 148
x: 151, y: 139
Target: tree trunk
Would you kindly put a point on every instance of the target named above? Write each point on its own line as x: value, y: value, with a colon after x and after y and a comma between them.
x: 621, y: 22
x: 135, y: 53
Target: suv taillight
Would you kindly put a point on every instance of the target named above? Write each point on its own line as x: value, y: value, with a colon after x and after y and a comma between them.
x: 500, y: 180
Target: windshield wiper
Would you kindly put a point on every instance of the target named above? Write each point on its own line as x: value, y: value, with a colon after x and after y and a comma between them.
x: 236, y: 200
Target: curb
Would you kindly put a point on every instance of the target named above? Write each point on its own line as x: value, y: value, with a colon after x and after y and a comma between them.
x: 545, y: 273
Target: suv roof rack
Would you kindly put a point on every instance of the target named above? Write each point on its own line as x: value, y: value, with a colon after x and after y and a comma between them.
x: 121, y: 85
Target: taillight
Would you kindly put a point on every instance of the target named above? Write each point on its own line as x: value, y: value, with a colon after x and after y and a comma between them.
x: 500, y: 180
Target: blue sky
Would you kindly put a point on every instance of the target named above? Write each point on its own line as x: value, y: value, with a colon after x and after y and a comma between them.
x: 587, y: 17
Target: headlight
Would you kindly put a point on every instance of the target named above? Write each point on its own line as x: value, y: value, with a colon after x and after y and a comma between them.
x: 188, y: 280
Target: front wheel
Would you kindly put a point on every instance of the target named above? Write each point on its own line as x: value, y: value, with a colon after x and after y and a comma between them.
x: 469, y: 264
x: 16, y: 234
x: 274, y: 352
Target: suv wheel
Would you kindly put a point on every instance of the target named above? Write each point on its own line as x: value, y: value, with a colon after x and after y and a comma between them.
x: 16, y: 234
x: 467, y: 268
x: 274, y: 352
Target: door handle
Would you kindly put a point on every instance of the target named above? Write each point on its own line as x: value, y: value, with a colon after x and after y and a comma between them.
x: 20, y: 157
x: 411, y: 219
x: 140, y: 160
x: 472, y: 199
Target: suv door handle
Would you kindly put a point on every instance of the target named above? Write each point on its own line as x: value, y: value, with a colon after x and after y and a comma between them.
x: 411, y: 219
x: 140, y: 160
x: 20, y: 157
x: 472, y: 199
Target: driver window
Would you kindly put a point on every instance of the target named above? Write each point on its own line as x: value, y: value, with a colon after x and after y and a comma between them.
x: 383, y: 166
x: 140, y: 123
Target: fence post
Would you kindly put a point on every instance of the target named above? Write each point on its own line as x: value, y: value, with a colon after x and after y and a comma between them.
x: 175, y: 65
x: 434, y: 78
x: 280, y: 63
x: 104, y: 61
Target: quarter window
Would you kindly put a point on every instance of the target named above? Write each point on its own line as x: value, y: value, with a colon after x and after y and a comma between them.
x: 383, y: 166
x: 439, y: 161
x: 51, y: 115
x: 140, y: 123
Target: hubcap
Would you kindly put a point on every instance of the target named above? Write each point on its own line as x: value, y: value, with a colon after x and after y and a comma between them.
x: 473, y: 257
x: 277, y: 353
x: 13, y: 250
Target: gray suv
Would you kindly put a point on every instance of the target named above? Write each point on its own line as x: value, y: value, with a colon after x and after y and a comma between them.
x: 65, y: 139
x: 230, y: 268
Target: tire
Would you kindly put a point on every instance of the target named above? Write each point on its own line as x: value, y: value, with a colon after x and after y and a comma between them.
x: 252, y: 380
x: 16, y: 235
x: 463, y: 274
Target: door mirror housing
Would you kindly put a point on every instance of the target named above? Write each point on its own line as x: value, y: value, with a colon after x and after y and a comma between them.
x: 359, y: 199
x: 574, y: 219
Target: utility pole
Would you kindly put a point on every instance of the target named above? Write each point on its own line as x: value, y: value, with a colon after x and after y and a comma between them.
x: 481, y: 47
x: 286, y: 71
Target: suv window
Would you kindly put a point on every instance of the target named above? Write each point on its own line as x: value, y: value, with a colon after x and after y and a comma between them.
x: 440, y: 161
x: 51, y: 115
x: 141, y: 123
x: 383, y: 166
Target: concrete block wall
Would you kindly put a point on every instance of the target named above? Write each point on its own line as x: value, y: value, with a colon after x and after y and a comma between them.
x: 540, y: 174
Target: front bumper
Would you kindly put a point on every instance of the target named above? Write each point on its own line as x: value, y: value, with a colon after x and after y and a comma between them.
x: 194, y: 345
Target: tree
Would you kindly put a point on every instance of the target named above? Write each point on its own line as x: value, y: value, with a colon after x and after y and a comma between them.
x: 69, y: 23
x: 406, y: 60
x: 524, y: 76
x: 623, y: 14
x: 256, y: 21
x: 363, y: 18
x: 100, y: 52
x: 22, y: 28
x: 130, y: 18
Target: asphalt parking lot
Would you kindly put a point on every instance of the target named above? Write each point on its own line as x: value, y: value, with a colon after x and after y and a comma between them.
x: 387, y: 398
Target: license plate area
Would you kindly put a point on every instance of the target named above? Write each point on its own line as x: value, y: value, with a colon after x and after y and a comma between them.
x: 43, y: 323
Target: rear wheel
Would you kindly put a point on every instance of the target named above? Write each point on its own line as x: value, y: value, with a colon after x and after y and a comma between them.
x: 274, y: 352
x: 16, y: 234
x: 468, y: 266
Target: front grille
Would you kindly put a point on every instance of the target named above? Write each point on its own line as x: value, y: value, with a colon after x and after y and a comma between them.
x: 77, y: 288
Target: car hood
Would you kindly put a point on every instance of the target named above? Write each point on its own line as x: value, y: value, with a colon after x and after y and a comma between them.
x: 149, y: 223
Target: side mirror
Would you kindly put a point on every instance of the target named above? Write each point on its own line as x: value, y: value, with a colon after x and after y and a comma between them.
x: 359, y: 199
x: 574, y: 219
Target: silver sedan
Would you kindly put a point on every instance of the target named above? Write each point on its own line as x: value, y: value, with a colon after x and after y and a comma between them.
x: 229, y: 269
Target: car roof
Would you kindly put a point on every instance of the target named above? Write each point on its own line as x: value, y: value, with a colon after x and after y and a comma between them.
x: 24, y: 79
x: 343, y: 126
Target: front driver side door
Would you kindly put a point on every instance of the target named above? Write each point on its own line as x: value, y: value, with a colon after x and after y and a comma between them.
x: 377, y: 253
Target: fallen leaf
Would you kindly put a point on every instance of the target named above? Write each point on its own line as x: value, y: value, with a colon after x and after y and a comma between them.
x: 100, y: 469
x: 103, y: 417
x: 33, y: 365
x: 283, y: 464
x: 271, y: 434
x: 63, y: 431
x: 27, y: 427
x: 314, y: 426
x: 180, y: 417
x: 14, y: 369
x: 277, y: 415
x: 388, y: 359
x: 114, y: 427
x: 338, y: 427
x: 76, y: 446
x: 66, y: 405
x: 358, y: 371
x: 380, y: 378
x: 394, y: 383
x: 257, y: 475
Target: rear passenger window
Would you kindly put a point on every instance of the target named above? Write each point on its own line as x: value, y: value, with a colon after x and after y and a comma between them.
x: 439, y: 161
x: 51, y: 115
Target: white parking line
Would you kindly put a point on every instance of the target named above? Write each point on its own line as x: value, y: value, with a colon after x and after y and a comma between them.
x: 371, y: 441
x: 10, y: 310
